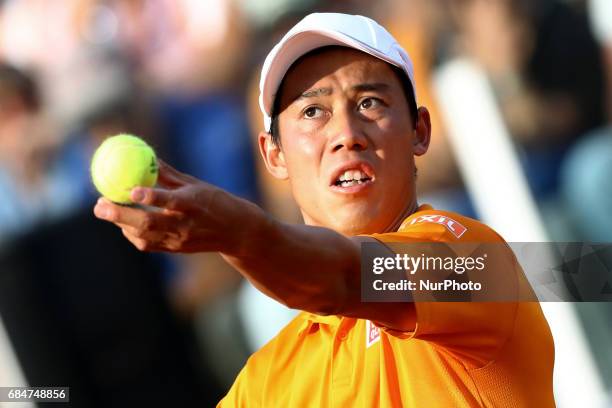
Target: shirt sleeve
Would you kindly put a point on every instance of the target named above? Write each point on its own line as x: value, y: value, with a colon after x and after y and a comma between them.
x: 237, y: 396
x: 474, y: 332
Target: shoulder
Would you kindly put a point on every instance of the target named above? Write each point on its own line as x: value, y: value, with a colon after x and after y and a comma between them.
x: 254, y: 378
x: 279, y: 346
x: 439, y: 225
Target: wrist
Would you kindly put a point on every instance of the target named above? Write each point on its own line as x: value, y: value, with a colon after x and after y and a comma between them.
x: 254, y: 229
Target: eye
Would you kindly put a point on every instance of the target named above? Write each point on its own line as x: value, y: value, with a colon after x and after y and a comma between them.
x: 369, y: 103
x: 312, y: 112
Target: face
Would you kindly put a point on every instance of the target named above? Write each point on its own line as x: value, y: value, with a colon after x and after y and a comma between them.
x: 347, y: 142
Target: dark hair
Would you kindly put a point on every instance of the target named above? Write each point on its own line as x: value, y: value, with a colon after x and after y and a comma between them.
x: 399, y: 73
x: 14, y: 82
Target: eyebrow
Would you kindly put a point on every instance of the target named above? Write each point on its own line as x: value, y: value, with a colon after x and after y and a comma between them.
x: 376, y: 86
x: 315, y: 92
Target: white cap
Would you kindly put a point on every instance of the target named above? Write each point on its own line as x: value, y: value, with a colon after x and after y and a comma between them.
x: 322, y: 29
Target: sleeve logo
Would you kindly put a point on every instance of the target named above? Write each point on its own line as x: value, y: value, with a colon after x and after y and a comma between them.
x: 456, y: 228
x: 372, y: 333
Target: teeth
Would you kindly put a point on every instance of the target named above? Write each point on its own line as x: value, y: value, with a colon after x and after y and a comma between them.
x: 351, y: 178
x: 348, y: 183
x: 352, y: 175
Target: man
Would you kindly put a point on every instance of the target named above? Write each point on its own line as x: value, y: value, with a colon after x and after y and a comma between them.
x: 342, y: 127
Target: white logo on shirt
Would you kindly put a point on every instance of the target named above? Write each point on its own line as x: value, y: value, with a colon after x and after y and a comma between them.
x: 456, y: 228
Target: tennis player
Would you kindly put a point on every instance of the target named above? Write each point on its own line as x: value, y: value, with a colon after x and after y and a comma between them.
x: 343, y: 127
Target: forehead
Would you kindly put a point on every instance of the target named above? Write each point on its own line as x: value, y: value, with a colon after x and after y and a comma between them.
x: 335, y: 64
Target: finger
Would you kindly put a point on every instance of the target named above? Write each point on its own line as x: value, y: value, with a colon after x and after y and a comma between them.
x: 148, y: 243
x: 139, y: 243
x: 168, y: 176
x: 171, y: 177
x: 156, y: 197
x: 166, y: 242
x: 152, y: 236
x: 138, y: 218
x: 167, y: 180
x: 118, y: 214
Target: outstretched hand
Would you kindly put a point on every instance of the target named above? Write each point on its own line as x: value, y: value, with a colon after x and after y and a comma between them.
x: 182, y: 214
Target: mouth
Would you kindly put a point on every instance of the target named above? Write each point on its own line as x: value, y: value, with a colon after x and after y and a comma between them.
x: 352, y: 177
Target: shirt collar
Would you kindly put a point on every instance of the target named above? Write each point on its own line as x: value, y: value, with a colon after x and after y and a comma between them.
x: 311, y: 319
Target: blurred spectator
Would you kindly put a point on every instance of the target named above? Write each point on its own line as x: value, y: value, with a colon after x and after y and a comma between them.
x: 33, y: 187
x: 546, y: 69
x: 189, y: 54
x: 587, y: 193
x: 183, y: 46
x: 586, y: 173
x: 85, y: 309
x: 586, y: 186
x: 207, y: 137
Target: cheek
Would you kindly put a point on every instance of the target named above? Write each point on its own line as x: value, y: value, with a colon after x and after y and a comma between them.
x: 396, y: 154
x: 394, y: 138
x: 308, y: 146
x: 302, y: 154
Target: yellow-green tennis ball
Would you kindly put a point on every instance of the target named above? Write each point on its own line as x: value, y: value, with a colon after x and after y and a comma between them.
x: 121, y: 163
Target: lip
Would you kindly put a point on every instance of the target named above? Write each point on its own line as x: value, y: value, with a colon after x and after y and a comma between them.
x: 362, y: 165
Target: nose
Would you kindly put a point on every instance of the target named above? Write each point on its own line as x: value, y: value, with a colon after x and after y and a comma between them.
x: 348, y: 133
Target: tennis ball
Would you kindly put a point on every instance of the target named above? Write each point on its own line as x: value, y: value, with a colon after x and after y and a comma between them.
x: 121, y: 163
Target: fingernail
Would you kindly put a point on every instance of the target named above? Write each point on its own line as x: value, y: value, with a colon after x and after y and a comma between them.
x: 102, y: 211
x: 137, y: 195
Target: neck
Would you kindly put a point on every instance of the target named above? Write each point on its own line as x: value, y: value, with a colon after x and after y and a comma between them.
x: 395, y: 224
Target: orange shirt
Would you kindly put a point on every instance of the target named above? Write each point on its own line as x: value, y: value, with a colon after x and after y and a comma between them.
x: 458, y: 355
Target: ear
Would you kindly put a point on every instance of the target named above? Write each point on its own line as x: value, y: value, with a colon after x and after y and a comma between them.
x: 422, y: 132
x: 273, y: 156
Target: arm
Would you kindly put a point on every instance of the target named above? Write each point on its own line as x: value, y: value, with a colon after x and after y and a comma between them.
x: 304, y: 267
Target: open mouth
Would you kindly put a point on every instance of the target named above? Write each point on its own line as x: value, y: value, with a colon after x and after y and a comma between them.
x: 351, y: 178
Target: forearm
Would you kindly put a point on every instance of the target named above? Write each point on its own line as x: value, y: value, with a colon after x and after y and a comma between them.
x: 304, y: 267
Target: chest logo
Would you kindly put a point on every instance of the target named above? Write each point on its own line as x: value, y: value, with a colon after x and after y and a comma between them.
x: 372, y: 333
